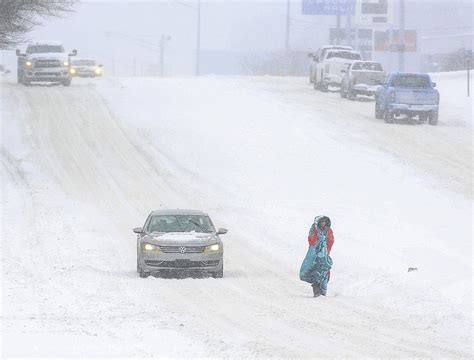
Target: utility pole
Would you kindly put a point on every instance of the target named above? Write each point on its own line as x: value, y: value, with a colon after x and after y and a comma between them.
x: 401, y: 37
x: 287, y: 38
x: 163, y: 41
x: 349, y: 24
x: 162, y: 55
x: 198, y: 39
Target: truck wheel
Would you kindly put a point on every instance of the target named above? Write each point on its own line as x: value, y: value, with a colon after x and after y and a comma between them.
x: 315, y: 84
x: 378, y: 113
x: 433, y: 118
x: 66, y: 82
x: 323, y: 87
x: 351, y: 95
x: 388, y: 117
x: 343, y: 93
x: 423, y: 117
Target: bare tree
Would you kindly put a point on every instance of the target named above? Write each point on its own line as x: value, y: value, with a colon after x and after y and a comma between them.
x: 19, y: 17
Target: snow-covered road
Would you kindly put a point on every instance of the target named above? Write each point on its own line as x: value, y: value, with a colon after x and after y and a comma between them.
x: 83, y: 165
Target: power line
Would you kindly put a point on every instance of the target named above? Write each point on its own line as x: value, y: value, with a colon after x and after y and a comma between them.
x: 185, y: 5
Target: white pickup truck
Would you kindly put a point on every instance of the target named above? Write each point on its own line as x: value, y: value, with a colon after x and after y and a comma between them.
x: 328, y: 70
x: 44, y: 61
x: 317, y: 56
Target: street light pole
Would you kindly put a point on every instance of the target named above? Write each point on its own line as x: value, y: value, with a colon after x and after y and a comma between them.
x: 198, y: 39
x: 401, y: 37
x: 287, y: 38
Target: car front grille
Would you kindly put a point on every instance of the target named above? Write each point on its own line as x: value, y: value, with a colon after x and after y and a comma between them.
x: 182, y: 264
x: 182, y: 249
x: 47, y: 63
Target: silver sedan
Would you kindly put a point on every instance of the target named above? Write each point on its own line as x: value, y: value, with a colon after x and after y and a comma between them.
x: 179, y: 240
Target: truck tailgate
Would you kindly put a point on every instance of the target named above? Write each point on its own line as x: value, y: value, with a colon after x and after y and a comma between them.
x: 416, y: 96
x: 368, y: 77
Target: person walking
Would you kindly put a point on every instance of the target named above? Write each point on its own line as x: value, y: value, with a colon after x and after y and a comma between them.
x: 317, y: 263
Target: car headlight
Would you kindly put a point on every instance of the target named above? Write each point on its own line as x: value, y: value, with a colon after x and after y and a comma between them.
x: 28, y: 63
x: 150, y: 247
x: 213, y: 247
x: 66, y: 63
x: 98, y: 71
x: 72, y: 71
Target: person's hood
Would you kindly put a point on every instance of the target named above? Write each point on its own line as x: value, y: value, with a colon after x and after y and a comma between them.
x: 317, y: 219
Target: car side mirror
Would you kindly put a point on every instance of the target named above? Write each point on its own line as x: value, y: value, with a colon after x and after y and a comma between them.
x: 74, y: 53
x: 434, y: 84
x: 221, y: 231
x: 138, y: 230
x: 343, y: 71
x: 18, y: 53
x: 311, y: 55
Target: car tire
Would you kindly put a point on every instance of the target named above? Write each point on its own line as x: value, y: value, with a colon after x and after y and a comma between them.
x: 219, y: 274
x: 311, y: 80
x: 423, y: 117
x: 388, y: 117
x: 66, y: 82
x: 143, y: 274
x: 323, y: 87
x: 378, y: 113
x: 433, y: 118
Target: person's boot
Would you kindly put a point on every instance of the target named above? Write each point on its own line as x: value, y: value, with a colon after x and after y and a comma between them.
x: 316, y: 290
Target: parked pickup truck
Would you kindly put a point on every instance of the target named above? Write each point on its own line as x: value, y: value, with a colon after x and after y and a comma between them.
x: 410, y: 94
x: 328, y: 70
x: 362, y: 78
x: 319, y: 55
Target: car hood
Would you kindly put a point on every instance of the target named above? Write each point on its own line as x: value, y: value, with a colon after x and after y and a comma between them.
x: 49, y: 56
x: 188, y: 238
x: 84, y: 67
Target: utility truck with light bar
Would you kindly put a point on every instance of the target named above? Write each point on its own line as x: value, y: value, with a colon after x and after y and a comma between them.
x: 44, y: 61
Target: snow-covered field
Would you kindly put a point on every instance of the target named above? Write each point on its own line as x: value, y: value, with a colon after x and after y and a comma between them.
x: 82, y: 166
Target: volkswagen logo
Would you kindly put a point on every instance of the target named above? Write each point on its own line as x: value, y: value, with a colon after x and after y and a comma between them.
x: 182, y: 249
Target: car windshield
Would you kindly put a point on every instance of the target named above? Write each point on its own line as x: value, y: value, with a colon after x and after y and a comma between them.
x: 38, y: 49
x: 343, y: 55
x: 83, y: 62
x: 411, y: 81
x: 367, y: 66
x: 180, y: 223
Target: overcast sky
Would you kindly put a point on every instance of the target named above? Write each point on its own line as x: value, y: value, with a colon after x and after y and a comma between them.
x: 119, y: 33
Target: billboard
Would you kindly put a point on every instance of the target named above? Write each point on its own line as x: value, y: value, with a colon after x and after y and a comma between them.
x: 382, y: 41
x: 328, y: 7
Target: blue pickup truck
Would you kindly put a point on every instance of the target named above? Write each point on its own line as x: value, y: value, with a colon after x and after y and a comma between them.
x: 410, y: 94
